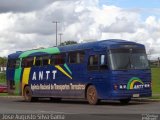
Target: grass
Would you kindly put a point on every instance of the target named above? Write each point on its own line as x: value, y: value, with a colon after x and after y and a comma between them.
x: 156, y: 81
x: 2, y: 78
x: 155, y: 97
x: 3, y: 94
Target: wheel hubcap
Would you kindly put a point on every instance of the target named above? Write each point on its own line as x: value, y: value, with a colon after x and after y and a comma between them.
x: 92, y: 95
x: 27, y: 95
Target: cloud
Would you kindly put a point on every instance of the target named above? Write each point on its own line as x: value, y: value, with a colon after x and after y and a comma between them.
x: 121, y: 20
x: 72, y: 16
x: 79, y: 20
x: 22, y: 5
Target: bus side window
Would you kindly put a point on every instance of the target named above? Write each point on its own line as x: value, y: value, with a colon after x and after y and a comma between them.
x: 76, y: 57
x: 82, y: 56
x: 103, y: 62
x: 93, y: 62
x: 58, y: 59
x: 45, y: 60
x: 13, y: 63
x: 27, y: 62
x: 72, y: 57
x: 38, y: 61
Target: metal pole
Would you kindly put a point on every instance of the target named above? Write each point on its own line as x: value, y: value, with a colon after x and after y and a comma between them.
x: 56, y: 33
x: 60, y: 36
x: 56, y: 22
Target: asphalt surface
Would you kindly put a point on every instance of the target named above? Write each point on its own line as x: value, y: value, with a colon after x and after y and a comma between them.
x: 78, y: 109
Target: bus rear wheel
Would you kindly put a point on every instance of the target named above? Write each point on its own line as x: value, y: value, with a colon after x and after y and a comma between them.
x: 28, y: 95
x: 92, y: 95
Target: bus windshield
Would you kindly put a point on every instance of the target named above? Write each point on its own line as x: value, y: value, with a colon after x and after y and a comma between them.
x: 123, y: 59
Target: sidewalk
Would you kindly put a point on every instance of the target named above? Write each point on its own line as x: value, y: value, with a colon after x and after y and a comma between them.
x: 145, y: 100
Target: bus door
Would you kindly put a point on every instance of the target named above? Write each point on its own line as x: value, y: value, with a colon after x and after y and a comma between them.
x: 98, y: 72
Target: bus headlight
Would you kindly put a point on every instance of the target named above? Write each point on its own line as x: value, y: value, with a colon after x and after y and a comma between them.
x: 115, y: 87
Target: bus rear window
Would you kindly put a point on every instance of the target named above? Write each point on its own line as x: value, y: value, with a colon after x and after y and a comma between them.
x: 13, y: 63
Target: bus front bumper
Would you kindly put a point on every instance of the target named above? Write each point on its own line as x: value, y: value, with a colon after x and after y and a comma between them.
x: 129, y: 95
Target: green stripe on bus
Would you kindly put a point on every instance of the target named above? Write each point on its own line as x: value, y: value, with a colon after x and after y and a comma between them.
x: 17, y: 74
x: 66, y: 66
x: 17, y: 78
x: 54, y: 50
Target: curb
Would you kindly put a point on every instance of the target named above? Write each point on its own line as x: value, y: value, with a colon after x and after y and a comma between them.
x: 146, y: 100
x: 11, y: 96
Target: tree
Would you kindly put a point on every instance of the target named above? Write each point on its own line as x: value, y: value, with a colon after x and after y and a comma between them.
x: 150, y: 53
x: 3, y: 61
x: 158, y: 62
x: 68, y: 43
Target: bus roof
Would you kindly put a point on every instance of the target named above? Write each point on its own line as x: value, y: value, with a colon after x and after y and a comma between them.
x: 97, y: 45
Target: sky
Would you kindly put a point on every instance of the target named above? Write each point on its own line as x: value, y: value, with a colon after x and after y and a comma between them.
x: 132, y: 3
x: 28, y: 24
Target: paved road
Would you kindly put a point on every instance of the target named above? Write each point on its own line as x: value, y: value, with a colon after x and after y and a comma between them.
x: 80, y: 109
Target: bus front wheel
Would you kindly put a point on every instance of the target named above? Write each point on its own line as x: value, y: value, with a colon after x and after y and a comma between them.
x: 28, y: 95
x: 92, y: 95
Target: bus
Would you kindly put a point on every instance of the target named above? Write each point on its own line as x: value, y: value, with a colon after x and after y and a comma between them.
x: 101, y: 70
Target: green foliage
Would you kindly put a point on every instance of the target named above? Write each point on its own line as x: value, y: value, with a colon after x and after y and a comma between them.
x: 3, y: 94
x: 68, y: 43
x: 3, y: 61
x: 3, y: 78
x: 155, y: 97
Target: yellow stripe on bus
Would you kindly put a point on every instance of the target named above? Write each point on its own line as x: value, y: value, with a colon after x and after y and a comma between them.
x: 133, y: 82
x: 64, y: 72
x: 25, y: 77
x: 34, y: 61
x: 49, y: 62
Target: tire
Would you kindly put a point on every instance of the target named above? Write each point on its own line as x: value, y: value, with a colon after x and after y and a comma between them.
x: 28, y: 95
x: 124, y: 101
x: 91, y: 95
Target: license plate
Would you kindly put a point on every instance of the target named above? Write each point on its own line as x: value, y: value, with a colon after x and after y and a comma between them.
x: 135, y: 95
